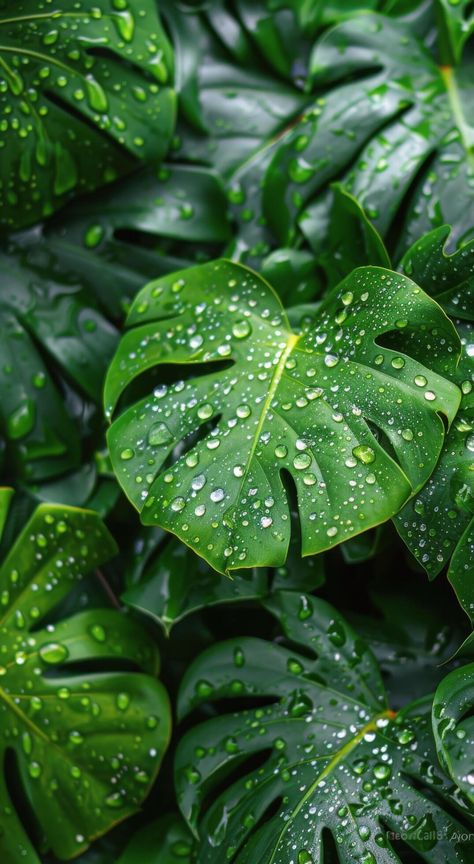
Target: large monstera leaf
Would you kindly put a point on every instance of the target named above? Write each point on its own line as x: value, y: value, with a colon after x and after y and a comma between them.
x: 85, y: 94
x: 453, y: 726
x: 354, y: 422
x: 332, y: 756
x: 57, y: 340
x: 242, y: 76
x: 86, y: 743
x: 438, y: 522
x: 399, y: 135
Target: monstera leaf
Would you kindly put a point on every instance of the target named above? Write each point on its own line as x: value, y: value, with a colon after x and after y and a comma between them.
x: 436, y: 523
x: 326, y: 753
x: 56, y: 344
x: 355, y: 423
x: 242, y: 78
x: 86, y: 93
x: 453, y: 726
x: 399, y: 135
x: 84, y: 744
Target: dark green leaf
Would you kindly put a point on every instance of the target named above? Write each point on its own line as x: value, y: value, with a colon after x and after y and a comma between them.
x: 86, y: 93
x: 54, y: 335
x: 453, y: 726
x: 303, y: 404
x: 87, y: 743
x: 399, y: 134
x: 331, y: 754
x: 434, y: 521
x: 166, y: 841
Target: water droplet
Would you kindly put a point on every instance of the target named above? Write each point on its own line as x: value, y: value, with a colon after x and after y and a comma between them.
x: 53, y: 652
x: 241, y: 329
x: 364, y: 454
x: 127, y: 454
x: 159, y: 434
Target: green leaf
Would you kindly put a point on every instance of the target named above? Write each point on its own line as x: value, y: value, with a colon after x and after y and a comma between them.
x: 331, y: 755
x: 457, y: 25
x: 166, y: 841
x: 434, y: 521
x: 399, y: 135
x: 453, y: 726
x: 87, y: 743
x: 309, y: 405
x: 461, y: 577
x: 87, y: 94
x: 342, y: 236
x: 175, y: 582
x: 53, y: 356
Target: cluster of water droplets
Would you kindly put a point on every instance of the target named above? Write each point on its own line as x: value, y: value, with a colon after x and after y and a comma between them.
x: 311, y: 405
x: 335, y: 758
x: 64, y: 726
x: 48, y: 62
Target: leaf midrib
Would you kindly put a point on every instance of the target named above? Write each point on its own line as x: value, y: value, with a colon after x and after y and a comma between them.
x: 338, y: 757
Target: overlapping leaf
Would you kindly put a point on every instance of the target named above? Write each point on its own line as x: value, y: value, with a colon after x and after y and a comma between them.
x: 438, y: 518
x: 331, y: 756
x: 453, y: 726
x: 399, y: 134
x: 85, y: 93
x: 309, y: 405
x: 56, y: 344
x: 86, y: 743
x: 166, y: 841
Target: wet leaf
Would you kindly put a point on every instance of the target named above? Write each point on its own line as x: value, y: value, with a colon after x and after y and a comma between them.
x: 399, y: 135
x: 433, y: 523
x: 86, y: 93
x: 87, y: 743
x: 355, y: 424
x: 56, y: 343
x: 453, y: 726
x: 331, y: 755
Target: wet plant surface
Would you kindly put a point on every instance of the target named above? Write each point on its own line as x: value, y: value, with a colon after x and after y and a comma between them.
x: 237, y: 432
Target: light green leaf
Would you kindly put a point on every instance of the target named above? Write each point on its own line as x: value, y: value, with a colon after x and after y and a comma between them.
x: 87, y: 743
x: 453, y: 726
x: 332, y: 757
x: 86, y: 93
x: 354, y: 423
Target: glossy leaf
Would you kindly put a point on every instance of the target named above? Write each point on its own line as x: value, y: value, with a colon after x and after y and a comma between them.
x: 461, y: 577
x: 434, y: 521
x: 453, y: 726
x: 86, y: 92
x: 332, y: 756
x: 87, y: 743
x: 56, y: 344
x: 303, y: 404
x: 408, y: 145
x: 171, y: 582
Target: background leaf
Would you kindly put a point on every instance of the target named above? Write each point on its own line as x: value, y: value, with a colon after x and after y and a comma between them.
x: 87, y: 92
x: 453, y: 726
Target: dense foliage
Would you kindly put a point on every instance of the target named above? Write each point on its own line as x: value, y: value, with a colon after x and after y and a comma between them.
x: 237, y: 431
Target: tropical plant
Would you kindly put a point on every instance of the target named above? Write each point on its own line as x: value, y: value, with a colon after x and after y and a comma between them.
x: 237, y: 432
